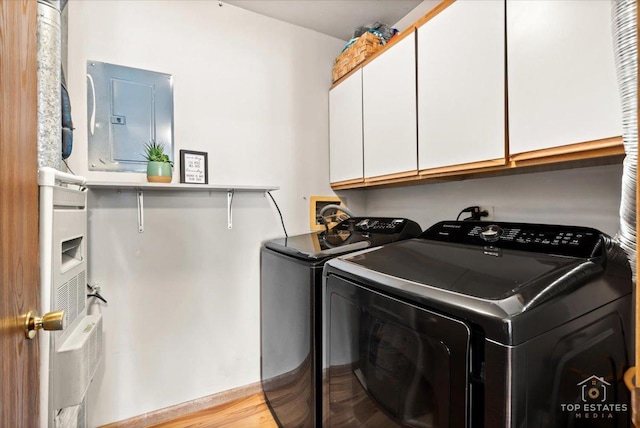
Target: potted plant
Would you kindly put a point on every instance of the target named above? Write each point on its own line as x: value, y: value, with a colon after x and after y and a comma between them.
x: 158, y: 163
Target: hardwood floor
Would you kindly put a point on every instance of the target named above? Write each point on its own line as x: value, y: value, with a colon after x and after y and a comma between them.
x: 248, y: 412
x: 350, y: 405
x: 291, y: 396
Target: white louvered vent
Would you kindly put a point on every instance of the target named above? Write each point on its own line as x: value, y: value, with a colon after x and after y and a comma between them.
x: 71, y: 297
x: 62, y: 303
x: 73, y: 301
x: 62, y: 297
x: 77, y: 361
x: 82, y: 291
x: 95, y: 346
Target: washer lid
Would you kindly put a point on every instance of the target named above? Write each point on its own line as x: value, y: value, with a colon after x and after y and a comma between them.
x: 352, y: 234
x: 318, y: 246
x: 512, y: 294
x: 474, y: 271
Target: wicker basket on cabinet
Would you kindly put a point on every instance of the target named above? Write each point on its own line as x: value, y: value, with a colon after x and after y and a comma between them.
x: 360, y: 50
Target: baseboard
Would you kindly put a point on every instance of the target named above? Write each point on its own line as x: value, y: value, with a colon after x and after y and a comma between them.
x: 182, y: 409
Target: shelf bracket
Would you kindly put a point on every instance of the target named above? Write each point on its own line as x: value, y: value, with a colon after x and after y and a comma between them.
x: 140, y: 193
x: 230, y: 208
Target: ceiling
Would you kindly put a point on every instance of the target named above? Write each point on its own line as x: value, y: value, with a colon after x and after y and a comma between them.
x: 337, y: 18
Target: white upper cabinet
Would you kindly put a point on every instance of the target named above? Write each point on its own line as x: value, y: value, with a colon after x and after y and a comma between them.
x: 345, y: 130
x: 561, y: 74
x: 461, y: 77
x: 389, y: 111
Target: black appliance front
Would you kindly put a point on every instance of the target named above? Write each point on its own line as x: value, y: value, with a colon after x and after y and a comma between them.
x: 544, y: 312
x: 291, y: 311
x: 288, y: 333
x: 392, y: 364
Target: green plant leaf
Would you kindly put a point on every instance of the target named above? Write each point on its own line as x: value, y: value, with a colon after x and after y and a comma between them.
x: 154, y: 152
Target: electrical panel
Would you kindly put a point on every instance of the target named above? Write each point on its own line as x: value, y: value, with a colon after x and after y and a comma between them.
x: 126, y: 109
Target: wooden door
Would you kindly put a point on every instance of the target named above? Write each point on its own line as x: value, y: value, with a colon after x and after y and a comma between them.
x: 19, y: 276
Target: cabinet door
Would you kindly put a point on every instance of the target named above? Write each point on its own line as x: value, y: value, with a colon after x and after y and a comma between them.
x: 561, y: 74
x: 461, y: 85
x: 345, y: 130
x: 389, y: 111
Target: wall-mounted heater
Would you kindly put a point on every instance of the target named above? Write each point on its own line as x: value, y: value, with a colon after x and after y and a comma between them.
x: 68, y: 358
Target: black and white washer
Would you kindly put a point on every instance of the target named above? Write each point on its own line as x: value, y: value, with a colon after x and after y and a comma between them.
x: 480, y: 325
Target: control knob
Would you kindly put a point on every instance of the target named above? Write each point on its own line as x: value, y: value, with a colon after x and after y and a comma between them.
x: 364, y: 224
x: 491, y: 233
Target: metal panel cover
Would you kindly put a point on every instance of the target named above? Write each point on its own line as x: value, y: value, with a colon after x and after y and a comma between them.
x: 126, y: 108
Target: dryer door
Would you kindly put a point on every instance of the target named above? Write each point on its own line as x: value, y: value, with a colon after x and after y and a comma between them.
x: 389, y: 363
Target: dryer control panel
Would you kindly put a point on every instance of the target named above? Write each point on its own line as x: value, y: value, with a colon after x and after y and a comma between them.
x: 571, y: 241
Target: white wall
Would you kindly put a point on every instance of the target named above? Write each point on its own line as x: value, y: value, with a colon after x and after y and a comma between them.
x: 581, y: 196
x: 183, y: 315
x: 416, y: 13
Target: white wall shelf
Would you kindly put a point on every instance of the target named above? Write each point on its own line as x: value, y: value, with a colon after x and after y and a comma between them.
x: 177, y: 186
x: 139, y: 188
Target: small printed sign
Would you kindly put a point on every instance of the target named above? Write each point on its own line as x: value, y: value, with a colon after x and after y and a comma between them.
x: 193, y: 167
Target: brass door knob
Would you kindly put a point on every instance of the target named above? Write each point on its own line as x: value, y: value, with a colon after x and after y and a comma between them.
x: 55, y: 320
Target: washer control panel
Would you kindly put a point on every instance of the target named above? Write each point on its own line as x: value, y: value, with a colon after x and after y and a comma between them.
x: 543, y: 238
x: 383, y: 225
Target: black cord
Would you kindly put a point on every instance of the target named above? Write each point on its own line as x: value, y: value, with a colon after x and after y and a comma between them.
x: 475, y: 212
x: 280, y: 213
x: 95, y: 294
x: 65, y: 162
x: 466, y: 210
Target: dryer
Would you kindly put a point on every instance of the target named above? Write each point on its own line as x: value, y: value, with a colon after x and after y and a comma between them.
x: 291, y: 310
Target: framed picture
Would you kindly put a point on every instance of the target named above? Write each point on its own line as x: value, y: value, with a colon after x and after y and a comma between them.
x: 193, y: 167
